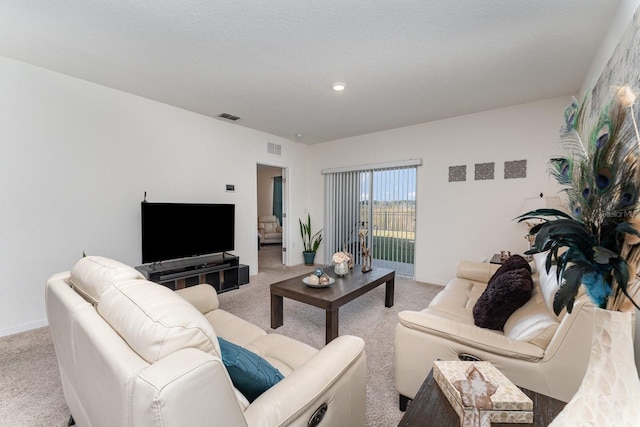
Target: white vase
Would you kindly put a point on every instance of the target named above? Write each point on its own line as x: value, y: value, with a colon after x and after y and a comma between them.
x: 341, y: 268
x: 610, y: 390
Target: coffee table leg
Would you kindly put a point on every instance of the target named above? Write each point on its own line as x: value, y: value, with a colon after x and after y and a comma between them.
x: 277, y: 316
x: 332, y: 325
x: 388, y: 295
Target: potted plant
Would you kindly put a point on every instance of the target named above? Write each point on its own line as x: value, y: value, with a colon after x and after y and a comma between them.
x: 310, y: 242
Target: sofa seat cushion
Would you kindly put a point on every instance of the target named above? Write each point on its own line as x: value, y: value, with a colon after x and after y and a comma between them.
x: 503, y: 296
x: 91, y: 276
x: 251, y: 374
x: 284, y: 353
x: 272, y: 236
x: 155, y: 321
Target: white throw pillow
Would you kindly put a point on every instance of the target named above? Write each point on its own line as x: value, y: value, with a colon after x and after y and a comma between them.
x: 548, y: 281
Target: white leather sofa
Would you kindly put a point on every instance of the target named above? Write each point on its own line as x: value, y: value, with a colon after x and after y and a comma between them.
x: 537, y: 349
x: 269, y: 229
x: 134, y: 353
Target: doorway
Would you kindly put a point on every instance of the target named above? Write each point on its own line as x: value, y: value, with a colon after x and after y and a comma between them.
x: 271, y: 185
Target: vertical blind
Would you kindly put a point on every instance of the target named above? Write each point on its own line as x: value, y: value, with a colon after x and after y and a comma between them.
x: 379, y: 201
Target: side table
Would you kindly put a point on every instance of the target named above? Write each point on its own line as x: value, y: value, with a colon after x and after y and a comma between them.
x: 431, y: 407
x: 495, y: 259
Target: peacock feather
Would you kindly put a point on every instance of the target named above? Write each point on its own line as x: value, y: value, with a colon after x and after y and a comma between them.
x: 600, y: 175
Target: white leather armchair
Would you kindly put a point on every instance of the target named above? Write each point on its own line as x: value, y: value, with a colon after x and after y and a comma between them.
x: 538, y: 350
x: 269, y: 229
x: 134, y: 353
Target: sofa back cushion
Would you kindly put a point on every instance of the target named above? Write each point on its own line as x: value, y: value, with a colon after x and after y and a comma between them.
x: 269, y: 223
x: 154, y: 320
x: 91, y: 276
x: 270, y: 227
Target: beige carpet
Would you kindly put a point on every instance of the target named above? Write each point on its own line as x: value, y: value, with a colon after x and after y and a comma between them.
x: 30, y: 383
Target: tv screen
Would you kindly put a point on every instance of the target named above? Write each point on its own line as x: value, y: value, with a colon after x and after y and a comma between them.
x: 180, y: 230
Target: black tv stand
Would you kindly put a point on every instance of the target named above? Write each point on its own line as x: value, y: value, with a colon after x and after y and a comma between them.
x: 219, y: 270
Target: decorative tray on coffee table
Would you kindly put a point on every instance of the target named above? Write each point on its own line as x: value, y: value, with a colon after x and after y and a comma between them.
x: 319, y: 285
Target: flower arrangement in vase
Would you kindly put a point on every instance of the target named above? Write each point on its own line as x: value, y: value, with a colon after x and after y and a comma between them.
x: 341, y: 263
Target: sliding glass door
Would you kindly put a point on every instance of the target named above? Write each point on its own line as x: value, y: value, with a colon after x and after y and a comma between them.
x: 377, y: 205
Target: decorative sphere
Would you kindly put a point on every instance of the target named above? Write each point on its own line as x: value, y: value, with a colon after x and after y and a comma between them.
x: 314, y: 280
x: 318, y: 272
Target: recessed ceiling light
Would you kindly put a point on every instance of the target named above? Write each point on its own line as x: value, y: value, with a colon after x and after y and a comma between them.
x: 338, y: 86
x: 298, y: 135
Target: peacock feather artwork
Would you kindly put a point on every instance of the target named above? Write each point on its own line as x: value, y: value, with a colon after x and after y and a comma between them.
x: 597, y: 244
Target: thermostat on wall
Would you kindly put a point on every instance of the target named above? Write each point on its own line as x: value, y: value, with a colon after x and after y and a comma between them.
x: 231, y: 187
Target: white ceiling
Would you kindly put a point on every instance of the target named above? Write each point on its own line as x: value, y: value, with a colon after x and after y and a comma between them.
x: 272, y: 62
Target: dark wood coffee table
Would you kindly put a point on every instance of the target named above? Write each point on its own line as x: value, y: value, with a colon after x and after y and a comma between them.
x: 431, y: 407
x: 344, y: 289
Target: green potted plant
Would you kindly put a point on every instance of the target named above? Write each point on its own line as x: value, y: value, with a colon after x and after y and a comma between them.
x: 310, y: 242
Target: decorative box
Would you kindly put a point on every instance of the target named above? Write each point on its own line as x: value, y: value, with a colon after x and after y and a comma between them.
x: 510, y: 404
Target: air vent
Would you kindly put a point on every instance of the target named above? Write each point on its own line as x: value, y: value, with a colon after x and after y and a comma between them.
x: 229, y: 116
x: 274, y: 148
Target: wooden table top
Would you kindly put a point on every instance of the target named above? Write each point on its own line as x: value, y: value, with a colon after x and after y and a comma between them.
x: 345, y: 289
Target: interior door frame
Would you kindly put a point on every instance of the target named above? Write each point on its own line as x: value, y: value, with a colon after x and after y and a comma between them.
x: 285, y: 209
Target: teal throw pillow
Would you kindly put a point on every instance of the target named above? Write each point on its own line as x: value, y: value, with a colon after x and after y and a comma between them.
x: 251, y: 374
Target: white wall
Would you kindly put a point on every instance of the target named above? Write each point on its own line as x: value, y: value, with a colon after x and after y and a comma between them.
x: 76, y: 159
x: 620, y: 23
x: 460, y: 220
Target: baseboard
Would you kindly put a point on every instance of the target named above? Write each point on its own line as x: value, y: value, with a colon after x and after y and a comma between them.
x: 24, y: 327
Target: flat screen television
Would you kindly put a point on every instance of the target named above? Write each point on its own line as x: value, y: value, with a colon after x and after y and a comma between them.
x: 180, y: 230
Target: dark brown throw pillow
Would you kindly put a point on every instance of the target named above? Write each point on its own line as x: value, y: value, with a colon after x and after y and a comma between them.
x: 514, y: 262
x: 510, y: 291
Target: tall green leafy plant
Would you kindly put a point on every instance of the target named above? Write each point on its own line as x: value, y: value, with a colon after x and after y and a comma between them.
x: 310, y: 242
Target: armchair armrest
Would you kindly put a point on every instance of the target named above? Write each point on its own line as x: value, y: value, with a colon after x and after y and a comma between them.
x: 203, y: 297
x: 335, y: 376
x: 470, y: 335
x: 185, y: 388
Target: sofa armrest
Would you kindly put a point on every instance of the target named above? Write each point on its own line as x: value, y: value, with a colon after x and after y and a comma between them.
x: 476, y: 271
x: 470, y: 335
x: 335, y: 376
x: 185, y: 388
x: 203, y: 297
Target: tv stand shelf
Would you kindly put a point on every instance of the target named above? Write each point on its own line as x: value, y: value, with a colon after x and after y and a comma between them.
x: 218, y: 270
